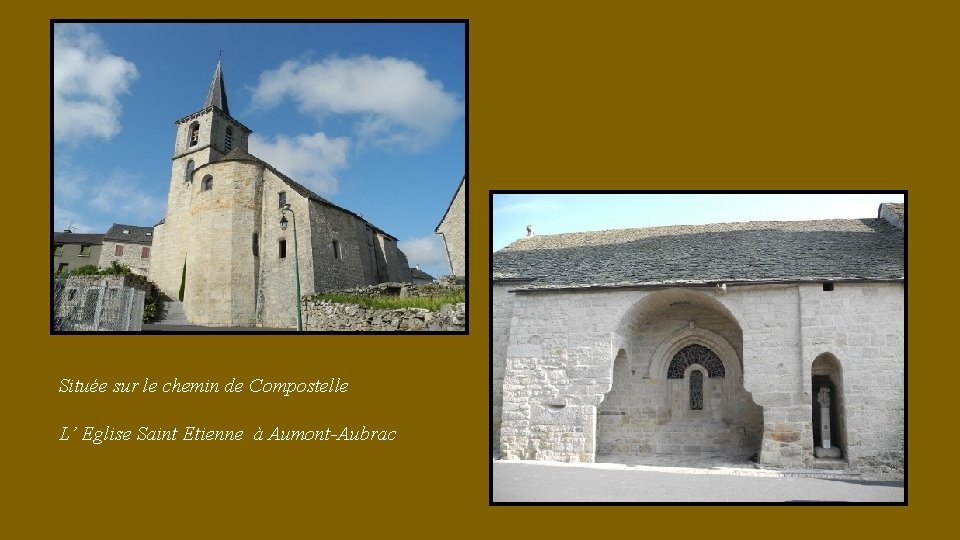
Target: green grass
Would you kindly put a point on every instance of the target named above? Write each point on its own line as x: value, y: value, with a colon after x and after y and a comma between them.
x: 433, y: 303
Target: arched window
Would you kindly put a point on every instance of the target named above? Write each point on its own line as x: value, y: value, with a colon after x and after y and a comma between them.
x: 695, y: 354
x: 194, y: 133
x: 207, y: 183
x: 228, y: 139
x: 188, y: 174
x: 696, y: 390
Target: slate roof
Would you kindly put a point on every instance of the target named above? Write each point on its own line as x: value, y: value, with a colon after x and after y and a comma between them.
x: 77, y: 238
x: 134, y: 234
x: 749, y: 252
x: 217, y: 95
x: 239, y: 155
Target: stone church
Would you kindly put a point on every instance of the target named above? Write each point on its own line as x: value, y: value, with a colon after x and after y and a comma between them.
x: 780, y: 342
x: 221, y: 242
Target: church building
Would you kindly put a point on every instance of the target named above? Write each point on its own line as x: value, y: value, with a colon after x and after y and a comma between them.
x: 778, y: 342
x: 221, y: 248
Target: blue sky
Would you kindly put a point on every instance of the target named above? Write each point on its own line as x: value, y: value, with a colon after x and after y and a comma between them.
x: 561, y: 213
x: 370, y: 116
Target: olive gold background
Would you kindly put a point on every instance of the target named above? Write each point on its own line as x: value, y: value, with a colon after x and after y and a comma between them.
x: 660, y: 95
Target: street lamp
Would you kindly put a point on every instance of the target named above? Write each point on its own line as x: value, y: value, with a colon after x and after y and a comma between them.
x: 296, y: 260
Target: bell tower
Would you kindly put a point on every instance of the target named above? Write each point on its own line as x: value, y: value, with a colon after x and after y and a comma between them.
x: 208, y: 134
x: 203, y: 137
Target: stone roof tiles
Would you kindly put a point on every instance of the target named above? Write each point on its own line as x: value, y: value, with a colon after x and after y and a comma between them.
x: 749, y: 252
x: 77, y: 238
x: 129, y: 234
x: 217, y: 95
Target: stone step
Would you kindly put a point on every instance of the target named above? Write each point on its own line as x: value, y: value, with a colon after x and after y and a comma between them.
x: 173, y: 314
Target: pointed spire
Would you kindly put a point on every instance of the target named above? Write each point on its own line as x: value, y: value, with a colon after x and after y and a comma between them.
x: 217, y: 96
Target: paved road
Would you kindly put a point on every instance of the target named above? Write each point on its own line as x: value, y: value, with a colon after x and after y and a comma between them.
x: 535, y: 482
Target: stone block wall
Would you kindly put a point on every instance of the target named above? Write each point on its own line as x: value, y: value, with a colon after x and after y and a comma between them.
x: 453, y: 227
x: 132, y: 256
x: 556, y: 353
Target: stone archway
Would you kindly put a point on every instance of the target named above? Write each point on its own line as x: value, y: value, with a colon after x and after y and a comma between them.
x: 649, y: 411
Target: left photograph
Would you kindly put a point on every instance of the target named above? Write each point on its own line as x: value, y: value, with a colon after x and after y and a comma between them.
x: 221, y: 177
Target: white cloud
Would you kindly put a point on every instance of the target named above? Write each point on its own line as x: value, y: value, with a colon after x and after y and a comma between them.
x: 86, y: 82
x: 64, y: 218
x: 399, y: 105
x: 120, y: 197
x: 312, y: 160
x: 428, y: 252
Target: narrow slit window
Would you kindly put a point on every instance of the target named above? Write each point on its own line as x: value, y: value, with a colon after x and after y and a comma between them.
x: 337, y: 254
x: 696, y: 390
x: 283, y: 249
x: 256, y: 245
x: 194, y: 133
x: 282, y: 198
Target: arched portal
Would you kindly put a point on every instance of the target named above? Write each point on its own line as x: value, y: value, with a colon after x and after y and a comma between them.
x: 678, y: 381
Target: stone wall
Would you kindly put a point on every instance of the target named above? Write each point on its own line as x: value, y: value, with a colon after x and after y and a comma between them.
x: 325, y: 316
x: 453, y: 227
x: 132, y: 256
x: 557, y: 353
x: 322, y: 316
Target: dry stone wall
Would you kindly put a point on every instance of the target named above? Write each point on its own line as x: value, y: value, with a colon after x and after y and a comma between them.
x: 325, y: 316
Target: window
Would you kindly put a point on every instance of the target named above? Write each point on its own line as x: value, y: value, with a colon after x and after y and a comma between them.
x: 84, y: 251
x: 71, y: 294
x: 207, y: 183
x: 194, y: 133
x: 228, y: 139
x: 145, y: 252
x: 256, y: 245
x: 695, y: 354
x: 283, y: 249
x: 337, y: 254
x: 58, y: 250
x: 188, y: 174
x: 119, y: 250
x: 696, y: 390
x: 282, y: 198
x: 62, y: 267
x: 828, y: 286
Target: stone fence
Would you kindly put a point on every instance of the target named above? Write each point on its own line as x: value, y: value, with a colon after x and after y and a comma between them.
x: 326, y: 316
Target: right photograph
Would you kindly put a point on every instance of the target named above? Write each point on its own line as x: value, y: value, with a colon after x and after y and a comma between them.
x: 698, y: 348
